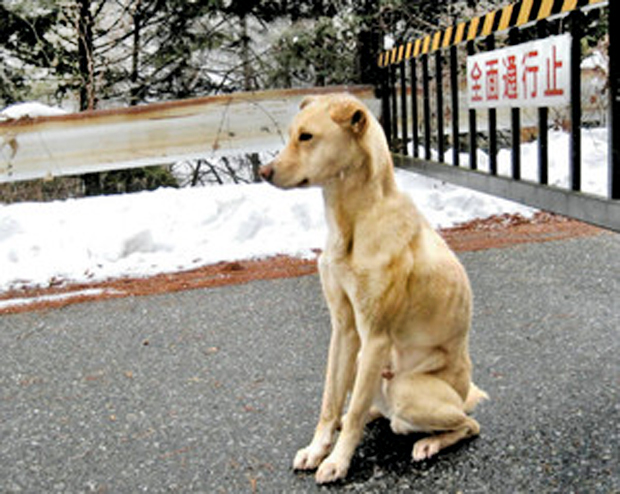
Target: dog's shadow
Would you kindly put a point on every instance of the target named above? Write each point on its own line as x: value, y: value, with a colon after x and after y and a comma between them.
x: 383, y: 454
x: 382, y: 450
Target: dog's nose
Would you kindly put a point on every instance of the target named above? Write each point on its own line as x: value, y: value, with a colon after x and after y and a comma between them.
x: 266, y: 172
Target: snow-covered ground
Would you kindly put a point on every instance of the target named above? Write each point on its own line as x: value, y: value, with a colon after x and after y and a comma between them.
x: 595, y: 176
x: 171, y: 230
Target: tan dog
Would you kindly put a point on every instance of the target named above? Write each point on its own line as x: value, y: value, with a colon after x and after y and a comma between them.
x: 399, y: 300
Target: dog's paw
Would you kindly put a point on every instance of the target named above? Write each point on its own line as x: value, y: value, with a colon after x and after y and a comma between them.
x: 425, y: 448
x: 330, y: 471
x: 309, y: 458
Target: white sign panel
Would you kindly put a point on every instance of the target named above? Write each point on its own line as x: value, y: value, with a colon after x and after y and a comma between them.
x: 536, y: 74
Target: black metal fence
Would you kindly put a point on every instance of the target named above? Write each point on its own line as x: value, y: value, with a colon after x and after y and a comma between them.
x: 430, y: 119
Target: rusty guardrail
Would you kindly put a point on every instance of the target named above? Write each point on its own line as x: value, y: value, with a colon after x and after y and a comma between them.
x: 152, y: 134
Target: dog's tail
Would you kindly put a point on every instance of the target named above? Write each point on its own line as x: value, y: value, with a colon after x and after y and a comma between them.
x: 474, y: 396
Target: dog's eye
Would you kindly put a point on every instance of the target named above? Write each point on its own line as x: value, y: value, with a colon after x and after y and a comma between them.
x: 305, y: 136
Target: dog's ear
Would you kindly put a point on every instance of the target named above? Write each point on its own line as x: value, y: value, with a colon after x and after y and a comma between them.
x: 349, y: 113
x: 307, y: 101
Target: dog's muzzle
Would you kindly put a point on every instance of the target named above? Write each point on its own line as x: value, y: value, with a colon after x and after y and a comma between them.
x: 267, y: 172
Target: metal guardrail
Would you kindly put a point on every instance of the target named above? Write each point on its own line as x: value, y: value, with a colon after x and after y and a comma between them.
x: 152, y: 134
x: 409, y: 65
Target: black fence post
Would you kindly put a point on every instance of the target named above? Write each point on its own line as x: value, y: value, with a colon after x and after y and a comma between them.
x: 386, y: 116
x: 439, y: 102
x: 454, y: 89
x: 414, y: 108
x: 576, y: 18
x: 543, y: 123
x: 394, y: 103
x: 403, y: 106
x: 473, y: 143
x: 513, y: 39
x: 490, y: 45
x: 427, y: 108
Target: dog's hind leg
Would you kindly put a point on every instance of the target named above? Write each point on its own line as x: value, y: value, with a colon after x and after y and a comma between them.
x: 425, y: 403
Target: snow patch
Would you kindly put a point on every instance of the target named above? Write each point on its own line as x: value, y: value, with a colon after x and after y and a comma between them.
x: 30, y: 109
x: 57, y: 297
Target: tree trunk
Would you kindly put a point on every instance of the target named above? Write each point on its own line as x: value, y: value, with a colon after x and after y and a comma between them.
x: 135, y: 54
x: 245, y: 54
x: 85, y: 56
x: 255, y: 162
x: 92, y: 181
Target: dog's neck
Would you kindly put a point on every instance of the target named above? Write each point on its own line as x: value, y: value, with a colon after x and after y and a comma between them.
x: 352, y: 195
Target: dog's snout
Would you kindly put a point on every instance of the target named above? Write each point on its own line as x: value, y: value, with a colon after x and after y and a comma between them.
x: 267, y: 172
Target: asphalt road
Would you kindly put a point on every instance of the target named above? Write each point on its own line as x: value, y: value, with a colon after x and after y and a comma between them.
x: 214, y: 390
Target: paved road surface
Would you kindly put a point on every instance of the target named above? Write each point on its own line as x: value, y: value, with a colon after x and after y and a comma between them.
x: 214, y: 390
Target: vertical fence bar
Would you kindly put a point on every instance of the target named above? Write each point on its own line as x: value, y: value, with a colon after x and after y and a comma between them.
x: 543, y: 145
x: 576, y: 18
x: 473, y: 144
x: 414, y: 108
x: 394, y: 110
x: 403, y: 105
x: 439, y: 101
x: 543, y: 123
x: 614, y: 105
x: 385, y: 104
x: 513, y: 39
x: 490, y: 45
x: 516, y: 142
x: 427, y: 108
x: 454, y: 89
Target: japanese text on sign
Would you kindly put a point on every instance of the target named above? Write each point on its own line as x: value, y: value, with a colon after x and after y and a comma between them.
x: 530, y: 74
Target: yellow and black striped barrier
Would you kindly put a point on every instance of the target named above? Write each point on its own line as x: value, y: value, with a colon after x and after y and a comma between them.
x: 513, y: 15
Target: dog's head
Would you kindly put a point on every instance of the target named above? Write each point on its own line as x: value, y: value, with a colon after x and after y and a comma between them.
x: 325, y: 142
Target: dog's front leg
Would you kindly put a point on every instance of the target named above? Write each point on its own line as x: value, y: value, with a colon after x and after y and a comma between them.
x: 343, y: 349
x: 374, y: 353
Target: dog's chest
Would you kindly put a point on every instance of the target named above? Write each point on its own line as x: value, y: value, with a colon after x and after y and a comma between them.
x: 339, y: 274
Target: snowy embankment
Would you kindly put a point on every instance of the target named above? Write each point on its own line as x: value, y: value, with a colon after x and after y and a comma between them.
x: 171, y: 230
